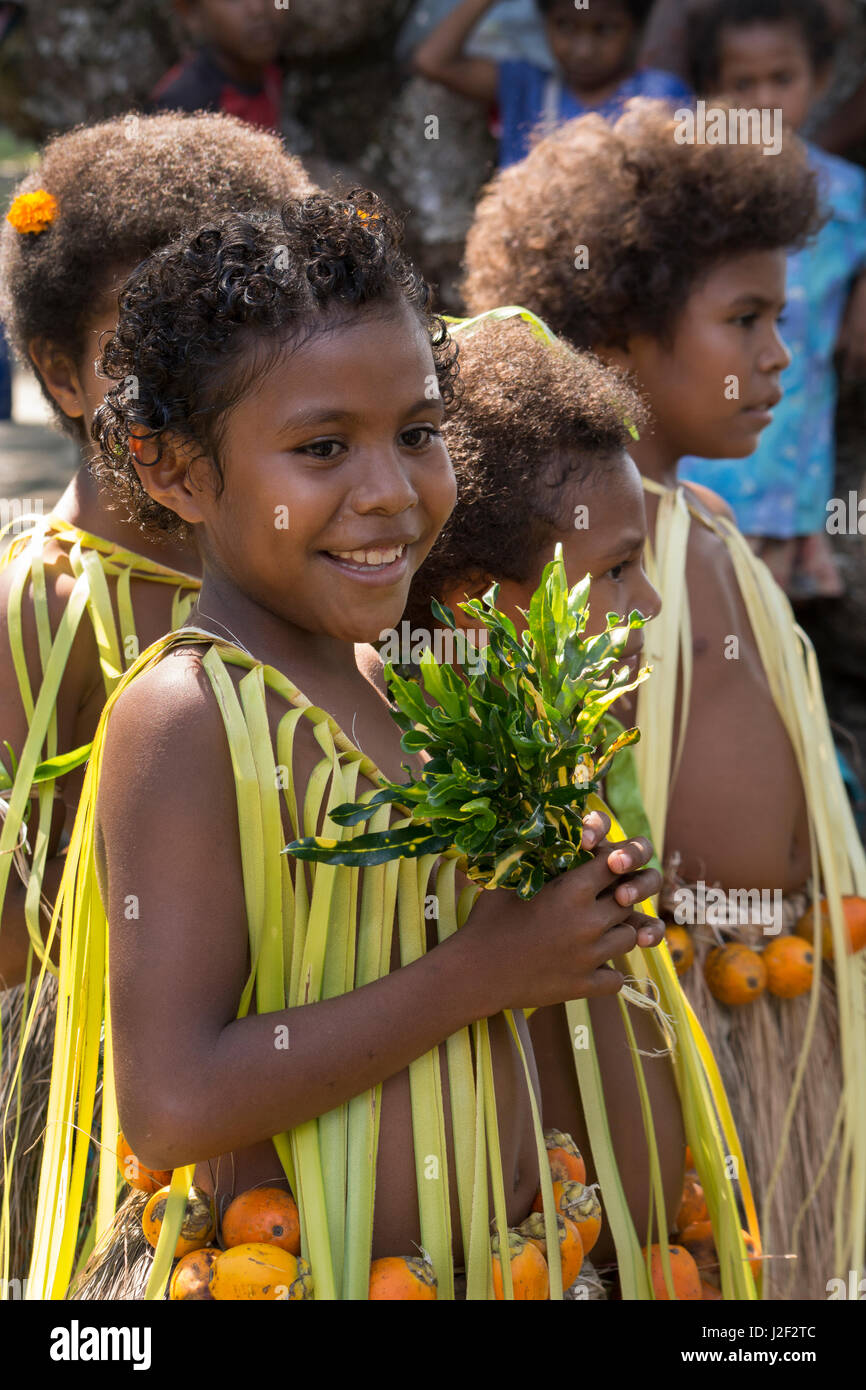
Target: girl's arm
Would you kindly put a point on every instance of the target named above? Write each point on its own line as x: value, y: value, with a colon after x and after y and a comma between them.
x: 192, y: 1079
x: 441, y: 58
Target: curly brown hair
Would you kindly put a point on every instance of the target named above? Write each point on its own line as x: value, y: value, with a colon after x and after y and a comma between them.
x: 605, y: 230
x: 531, y: 418
x: 191, y: 315
x: 123, y: 188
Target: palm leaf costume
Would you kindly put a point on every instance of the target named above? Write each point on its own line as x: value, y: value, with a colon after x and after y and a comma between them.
x: 26, y: 1039
x: 795, y: 1069
x: 308, y: 944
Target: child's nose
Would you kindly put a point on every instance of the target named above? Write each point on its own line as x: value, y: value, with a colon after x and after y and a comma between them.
x: 777, y: 357
x: 386, y: 485
x: 651, y: 604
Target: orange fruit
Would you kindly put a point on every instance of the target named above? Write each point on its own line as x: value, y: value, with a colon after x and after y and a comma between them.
x: 199, y: 1221
x: 193, y: 1274
x: 854, y: 911
x: 570, y: 1243
x: 686, y: 1279
x: 693, y: 1204
x: 690, y: 1161
x: 681, y: 948
x: 262, y: 1272
x: 709, y: 1292
x: 133, y: 1171
x: 529, y: 1272
x: 790, y: 963
x: 735, y: 974
x: 405, y: 1277
x: 564, y: 1157
x: 263, y: 1215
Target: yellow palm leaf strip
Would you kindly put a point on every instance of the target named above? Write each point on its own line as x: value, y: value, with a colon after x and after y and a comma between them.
x: 551, y: 1232
x: 101, y: 614
x: 311, y: 1194
x: 375, y: 923
x: 88, y: 979
x: 163, y: 1258
x: 632, y: 1272
x: 701, y: 1099
x: 494, y: 1155
x: 428, y: 1123
x: 270, y: 970
x: 109, y: 1123
x: 670, y: 655
x: 479, y: 1266
x: 295, y: 896
x: 337, y: 976
x: 126, y: 617
x: 479, y: 1269
x: 250, y: 828
x: 461, y: 1077
x: 657, y: 1195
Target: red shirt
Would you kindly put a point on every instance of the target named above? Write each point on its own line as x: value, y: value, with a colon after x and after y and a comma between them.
x: 197, y: 83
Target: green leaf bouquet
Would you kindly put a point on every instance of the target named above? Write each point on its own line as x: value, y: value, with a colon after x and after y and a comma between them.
x: 515, y: 743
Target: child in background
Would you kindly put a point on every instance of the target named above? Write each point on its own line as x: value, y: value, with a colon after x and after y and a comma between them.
x: 234, y: 66
x: 539, y: 447
x: 309, y: 389
x: 668, y: 260
x: 595, y: 52
x: 776, y: 54
x: 101, y: 198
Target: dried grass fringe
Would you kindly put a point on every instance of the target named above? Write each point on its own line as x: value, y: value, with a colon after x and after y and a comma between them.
x: 757, y: 1047
x: 119, y: 1267
x: 35, y: 1082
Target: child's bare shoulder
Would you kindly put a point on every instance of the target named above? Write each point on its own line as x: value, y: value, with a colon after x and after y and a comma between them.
x: 708, y: 501
x: 167, y: 724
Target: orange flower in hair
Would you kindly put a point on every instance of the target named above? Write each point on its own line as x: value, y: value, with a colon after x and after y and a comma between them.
x: 33, y: 212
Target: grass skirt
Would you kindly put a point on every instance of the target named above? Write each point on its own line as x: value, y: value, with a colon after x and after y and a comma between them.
x: 757, y: 1047
x: 33, y: 1088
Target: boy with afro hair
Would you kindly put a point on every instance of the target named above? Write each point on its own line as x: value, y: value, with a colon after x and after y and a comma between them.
x: 668, y: 260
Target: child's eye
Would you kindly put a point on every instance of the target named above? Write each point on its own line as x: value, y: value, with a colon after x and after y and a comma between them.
x: 615, y: 573
x: 417, y: 436
x: 747, y: 320
x: 325, y: 449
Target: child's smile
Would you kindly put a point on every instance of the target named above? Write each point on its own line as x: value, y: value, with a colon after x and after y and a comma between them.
x: 336, y: 479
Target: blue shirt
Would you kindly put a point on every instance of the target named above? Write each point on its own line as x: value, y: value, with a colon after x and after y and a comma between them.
x: 782, y: 489
x: 529, y: 94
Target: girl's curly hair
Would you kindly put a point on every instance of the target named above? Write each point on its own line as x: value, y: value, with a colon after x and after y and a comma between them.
x: 206, y: 316
x: 125, y: 187
x: 534, y: 422
x: 605, y: 231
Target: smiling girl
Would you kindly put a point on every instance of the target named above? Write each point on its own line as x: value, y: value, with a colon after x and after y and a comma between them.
x: 291, y: 389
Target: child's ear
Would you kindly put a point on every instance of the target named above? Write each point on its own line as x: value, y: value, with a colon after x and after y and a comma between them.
x: 59, y: 374
x: 175, y: 473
